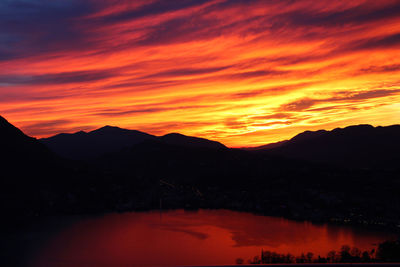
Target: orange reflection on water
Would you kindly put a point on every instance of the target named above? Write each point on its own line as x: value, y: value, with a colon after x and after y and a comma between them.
x: 192, y: 238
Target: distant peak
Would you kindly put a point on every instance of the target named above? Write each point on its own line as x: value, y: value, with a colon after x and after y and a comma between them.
x: 360, y: 126
x: 181, y: 139
x: 107, y: 128
x: 173, y: 134
x: 308, y: 135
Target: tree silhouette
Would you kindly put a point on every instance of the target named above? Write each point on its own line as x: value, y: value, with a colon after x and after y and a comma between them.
x: 332, y: 256
x: 345, y: 254
x: 389, y: 251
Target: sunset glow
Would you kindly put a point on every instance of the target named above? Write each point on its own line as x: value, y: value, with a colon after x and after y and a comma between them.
x: 244, y: 73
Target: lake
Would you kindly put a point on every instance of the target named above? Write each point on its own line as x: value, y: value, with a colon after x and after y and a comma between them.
x: 182, y: 237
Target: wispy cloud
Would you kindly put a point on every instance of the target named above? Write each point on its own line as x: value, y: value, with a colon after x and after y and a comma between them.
x: 240, y: 71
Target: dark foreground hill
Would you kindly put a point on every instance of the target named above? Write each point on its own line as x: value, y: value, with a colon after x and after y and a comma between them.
x: 360, y: 146
x: 173, y: 173
x: 26, y: 168
x: 89, y: 145
x: 16, y: 146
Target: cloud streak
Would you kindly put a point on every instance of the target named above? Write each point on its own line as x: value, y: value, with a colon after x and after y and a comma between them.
x: 203, y: 68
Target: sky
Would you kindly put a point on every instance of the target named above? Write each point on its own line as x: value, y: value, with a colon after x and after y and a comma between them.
x: 242, y: 72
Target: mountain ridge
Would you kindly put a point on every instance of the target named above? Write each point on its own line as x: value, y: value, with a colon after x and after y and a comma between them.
x: 129, y: 180
x: 15, y: 144
x: 361, y: 145
x: 110, y: 139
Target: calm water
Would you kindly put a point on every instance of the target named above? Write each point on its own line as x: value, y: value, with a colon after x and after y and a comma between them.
x: 187, y: 238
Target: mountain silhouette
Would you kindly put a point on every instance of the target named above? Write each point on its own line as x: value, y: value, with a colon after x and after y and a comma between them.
x: 27, y: 169
x: 18, y: 149
x: 109, y: 139
x: 360, y: 146
x: 86, y: 145
x: 189, y: 141
x: 267, y: 146
x: 134, y: 170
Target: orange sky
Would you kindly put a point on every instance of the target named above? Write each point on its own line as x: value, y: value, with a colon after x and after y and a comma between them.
x: 241, y: 72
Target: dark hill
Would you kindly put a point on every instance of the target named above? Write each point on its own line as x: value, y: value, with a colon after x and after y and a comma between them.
x: 27, y: 169
x: 83, y: 145
x: 360, y: 146
x: 108, y: 139
x: 19, y: 152
x: 177, y: 171
x: 189, y: 141
x: 267, y: 146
